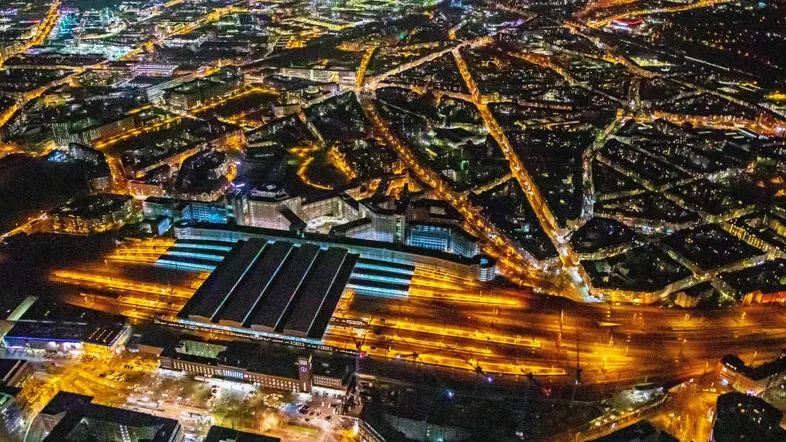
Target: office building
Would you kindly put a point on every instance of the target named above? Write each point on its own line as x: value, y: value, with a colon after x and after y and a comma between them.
x: 748, y: 379
x: 223, y: 434
x: 71, y: 417
x: 265, y: 365
x: 93, y: 214
x: 740, y: 417
x: 443, y: 237
x: 55, y: 328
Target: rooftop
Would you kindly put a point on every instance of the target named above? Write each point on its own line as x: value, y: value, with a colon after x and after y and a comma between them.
x: 274, y: 287
x: 755, y: 373
x: 92, y: 205
x: 84, y: 420
x: 222, y: 434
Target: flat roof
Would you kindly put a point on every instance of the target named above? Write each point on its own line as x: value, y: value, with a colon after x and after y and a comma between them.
x: 756, y: 373
x: 381, y: 274
x: 274, y: 286
x: 320, y: 323
x: 203, y: 243
x: 104, y: 334
x: 380, y: 263
x: 285, y: 288
x: 223, y: 434
x: 187, y: 260
x: 219, y: 285
x: 79, y: 411
x: 201, y: 250
x: 378, y: 284
x: 344, y: 228
x: 254, y: 286
x: 297, y: 319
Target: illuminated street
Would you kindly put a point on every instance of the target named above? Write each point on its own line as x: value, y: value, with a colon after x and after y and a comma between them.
x: 363, y: 221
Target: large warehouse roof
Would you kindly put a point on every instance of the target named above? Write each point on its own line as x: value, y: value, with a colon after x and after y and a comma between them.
x: 274, y: 287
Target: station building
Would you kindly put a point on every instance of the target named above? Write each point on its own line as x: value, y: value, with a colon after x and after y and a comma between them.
x: 274, y: 289
x: 262, y: 364
x: 394, y: 259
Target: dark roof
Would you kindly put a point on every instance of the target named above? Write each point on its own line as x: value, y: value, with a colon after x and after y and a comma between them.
x: 281, y: 288
x: 171, y: 353
x: 252, y: 288
x: 755, y: 373
x: 335, y: 366
x: 284, y: 289
x: 45, y: 310
x: 9, y: 368
x: 79, y: 411
x: 220, y: 284
x: 314, y: 197
x: 295, y: 223
x: 223, y: 434
x: 64, y: 401
x: 261, y: 359
x: 156, y: 336
x: 740, y: 417
x: 320, y: 323
x: 343, y: 228
x: 427, y: 204
x: 92, y: 205
x: 640, y: 431
x: 300, y: 317
x: 70, y: 332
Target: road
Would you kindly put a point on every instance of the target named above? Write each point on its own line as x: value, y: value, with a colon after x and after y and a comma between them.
x: 41, y: 32
x: 577, y: 278
x: 135, y: 382
x: 501, y: 247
